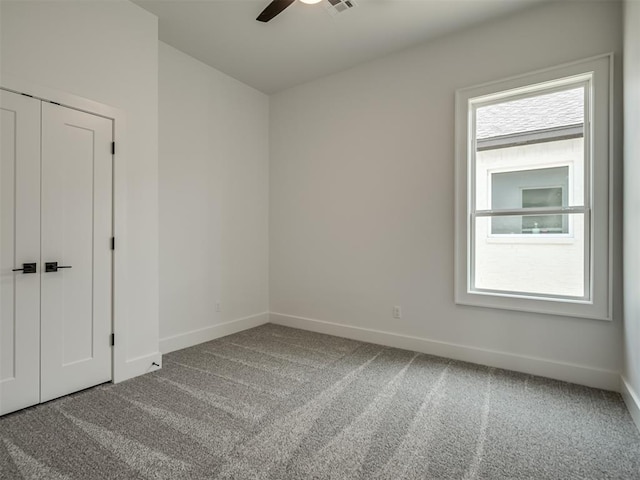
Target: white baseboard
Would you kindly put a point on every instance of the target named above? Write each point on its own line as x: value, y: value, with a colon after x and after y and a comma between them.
x: 195, y: 337
x: 137, y: 366
x: 568, y: 372
x: 632, y: 399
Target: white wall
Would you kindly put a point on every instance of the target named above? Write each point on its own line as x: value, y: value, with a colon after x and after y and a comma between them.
x: 632, y: 206
x: 362, y: 199
x: 106, y: 51
x: 213, y: 189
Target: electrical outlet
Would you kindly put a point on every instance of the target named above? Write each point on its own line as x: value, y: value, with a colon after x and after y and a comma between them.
x: 218, y: 307
x: 397, y: 312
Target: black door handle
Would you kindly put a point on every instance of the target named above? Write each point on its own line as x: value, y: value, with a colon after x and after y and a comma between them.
x: 53, y: 266
x: 26, y: 268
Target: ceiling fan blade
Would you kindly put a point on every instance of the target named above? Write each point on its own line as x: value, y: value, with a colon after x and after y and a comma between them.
x: 273, y: 9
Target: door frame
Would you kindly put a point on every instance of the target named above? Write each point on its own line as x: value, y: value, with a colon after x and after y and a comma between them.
x: 119, y: 370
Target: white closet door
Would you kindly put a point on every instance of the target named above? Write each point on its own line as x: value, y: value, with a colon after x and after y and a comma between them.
x: 19, y: 244
x: 76, y: 233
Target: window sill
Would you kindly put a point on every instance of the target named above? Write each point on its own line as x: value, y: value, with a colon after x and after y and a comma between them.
x: 564, y: 307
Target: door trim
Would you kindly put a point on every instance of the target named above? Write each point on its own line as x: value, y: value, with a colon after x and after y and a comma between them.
x: 121, y: 369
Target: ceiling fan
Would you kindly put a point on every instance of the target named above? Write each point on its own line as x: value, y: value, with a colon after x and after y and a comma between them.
x: 277, y: 6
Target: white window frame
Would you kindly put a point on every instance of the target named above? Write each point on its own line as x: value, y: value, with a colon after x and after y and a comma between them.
x: 596, y: 303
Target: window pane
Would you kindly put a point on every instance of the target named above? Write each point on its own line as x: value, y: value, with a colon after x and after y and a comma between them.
x: 530, y: 143
x: 543, y: 197
x: 532, y: 263
x: 525, y: 189
x: 530, y: 225
x: 544, y: 224
x: 543, y: 187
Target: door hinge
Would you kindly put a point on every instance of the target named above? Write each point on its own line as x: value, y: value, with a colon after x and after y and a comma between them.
x: 113, y: 339
x: 113, y: 243
x: 113, y: 148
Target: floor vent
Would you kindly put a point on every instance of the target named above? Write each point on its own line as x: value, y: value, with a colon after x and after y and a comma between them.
x: 340, y: 6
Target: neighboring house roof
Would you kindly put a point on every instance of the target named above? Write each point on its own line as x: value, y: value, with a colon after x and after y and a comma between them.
x: 543, y: 112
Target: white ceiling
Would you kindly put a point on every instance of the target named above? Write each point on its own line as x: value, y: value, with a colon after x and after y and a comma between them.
x: 304, y: 42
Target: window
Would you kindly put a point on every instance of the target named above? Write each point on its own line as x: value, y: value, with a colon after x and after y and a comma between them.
x: 532, y: 192
x: 522, y: 188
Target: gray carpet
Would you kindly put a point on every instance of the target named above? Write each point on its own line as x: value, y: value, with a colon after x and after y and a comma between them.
x: 279, y: 403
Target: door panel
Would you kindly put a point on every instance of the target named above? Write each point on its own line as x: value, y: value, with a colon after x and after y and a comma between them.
x: 19, y: 243
x: 76, y: 233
